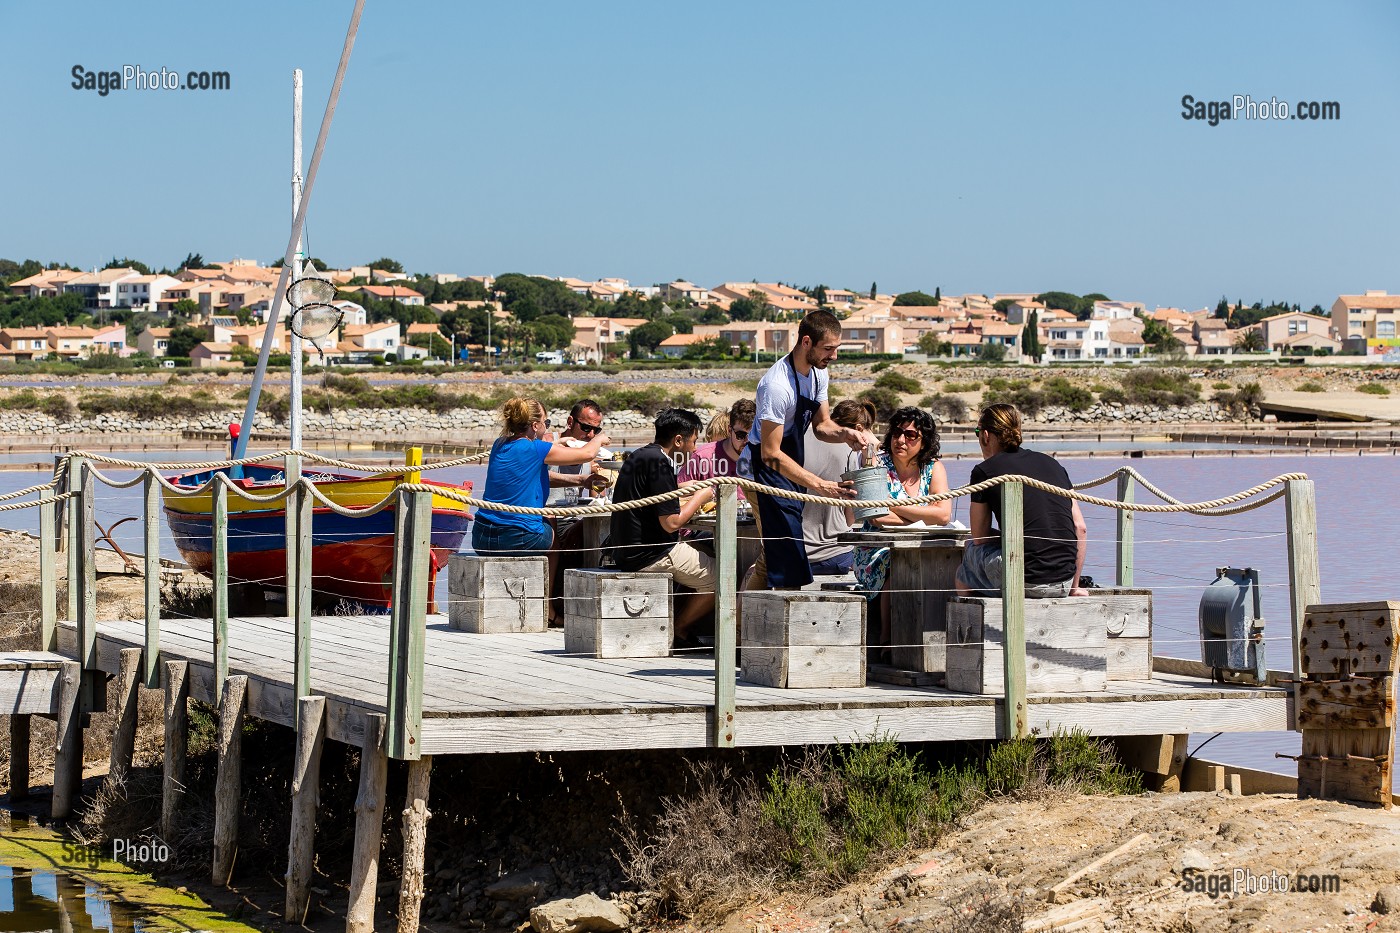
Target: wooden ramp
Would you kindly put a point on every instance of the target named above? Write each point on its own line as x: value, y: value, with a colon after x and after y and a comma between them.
x: 521, y: 692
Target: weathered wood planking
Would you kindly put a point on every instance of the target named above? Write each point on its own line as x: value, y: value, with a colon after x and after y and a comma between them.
x: 1357, y: 636
x: 497, y: 594
x: 803, y: 639
x: 1066, y: 646
x: 522, y: 692
x: 614, y: 614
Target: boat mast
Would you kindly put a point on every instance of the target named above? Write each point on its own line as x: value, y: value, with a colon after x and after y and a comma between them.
x: 294, y: 411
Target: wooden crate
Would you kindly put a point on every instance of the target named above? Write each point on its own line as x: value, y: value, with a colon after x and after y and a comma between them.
x: 803, y: 639
x: 1127, y: 617
x: 492, y: 595
x: 1066, y: 646
x: 614, y: 614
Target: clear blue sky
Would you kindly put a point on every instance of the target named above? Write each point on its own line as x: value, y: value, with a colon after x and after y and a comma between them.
x: 975, y: 147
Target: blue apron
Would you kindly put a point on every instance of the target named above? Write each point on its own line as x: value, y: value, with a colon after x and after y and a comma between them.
x: 783, y: 548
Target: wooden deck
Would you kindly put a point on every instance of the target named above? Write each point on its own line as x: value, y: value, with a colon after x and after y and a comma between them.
x: 510, y: 693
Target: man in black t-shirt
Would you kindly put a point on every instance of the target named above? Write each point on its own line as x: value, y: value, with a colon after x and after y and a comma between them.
x: 1055, y: 534
x: 647, y: 539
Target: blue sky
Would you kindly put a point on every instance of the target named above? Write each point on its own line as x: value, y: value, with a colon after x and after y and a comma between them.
x: 975, y: 147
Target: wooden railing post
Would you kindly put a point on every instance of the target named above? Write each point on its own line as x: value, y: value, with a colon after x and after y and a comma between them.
x: 220, y: 581
x: 1126, y: 488
x: 73, y: 481
x: 1304, y: 580
x: 726, y: 585
x: 85, y: 539
x: 298, y: 538
x: 1013, y: 610
x: 407, y: 627
x: 150, y: 657
x: 48, y: 576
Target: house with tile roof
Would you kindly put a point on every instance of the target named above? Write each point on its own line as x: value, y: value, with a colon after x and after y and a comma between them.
x: 401, y: 294
x: 1372, y: 316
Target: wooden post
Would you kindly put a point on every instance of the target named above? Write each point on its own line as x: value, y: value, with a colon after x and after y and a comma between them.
x: 1013, y: 607
x: 177, y: 691
x: 150, y: 658
x: 407, y: 625
x: 413, y: 458
x: 73, y: 483
x: 306, y: 777
x: 68, y: 760
x: 1125, y: 532
x: 369, y: 826
x: 48, y: 576
x: 220, y: 582
x: 228, y: 788
x: 124, y: 739
x: 19, y: 757
x: 1304, y: 580
x: 85, y: 539
x: 298, y: 537
x: 415, y: 838
x: 726, y: 558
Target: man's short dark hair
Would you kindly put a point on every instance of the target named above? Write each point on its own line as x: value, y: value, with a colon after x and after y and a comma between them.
x: 819, y: 324
x: 673, y: 421
x: 583, y: 405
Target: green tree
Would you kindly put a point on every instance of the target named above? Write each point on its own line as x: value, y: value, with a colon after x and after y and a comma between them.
x: 711, y: 348
x: 1250, y: 341
x: 1222, y: 308
x: 873, y: 291
x: 1159, y: 337
x: 752, y: 308
x: 937, y: 294
x: 184, y: 339
x: 915, y: 299
x: 553, y: 331
x: 930, y: 344
x: 192, y: 261
x: 1001, y: 305
x: 645, y: 339
x: 1030, y: 338
x: 11, y: 271
x: 991, y: 352
x: 126, y: 263
x: 185, y: 308
x: 385, y: 264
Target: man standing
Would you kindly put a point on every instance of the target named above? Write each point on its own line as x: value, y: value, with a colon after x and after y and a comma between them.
x: 792, y: 396
x: 648, y: 538
x: 572, y: 485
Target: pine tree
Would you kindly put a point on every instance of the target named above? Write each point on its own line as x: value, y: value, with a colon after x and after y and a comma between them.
x: 1030, y: 338
x: 872, y: 291
x: 937, y: 294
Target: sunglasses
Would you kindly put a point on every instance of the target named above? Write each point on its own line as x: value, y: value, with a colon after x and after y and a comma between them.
x: 977, y: 431
x: 587, y: 428
x: 741, y: 432
x: 909, y: 434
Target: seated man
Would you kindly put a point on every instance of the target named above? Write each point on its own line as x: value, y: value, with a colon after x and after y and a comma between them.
x: 822, y: 523
x: 647, y: 539
x: 575, y: 539
x: 1055, y: 534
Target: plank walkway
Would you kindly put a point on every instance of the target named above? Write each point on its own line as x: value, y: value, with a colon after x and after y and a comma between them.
x: 511, y: 693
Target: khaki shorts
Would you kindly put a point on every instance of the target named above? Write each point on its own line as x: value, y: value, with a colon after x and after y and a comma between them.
x: 688, y: 567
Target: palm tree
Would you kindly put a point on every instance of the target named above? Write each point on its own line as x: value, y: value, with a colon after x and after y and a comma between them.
x: 1250, y: 340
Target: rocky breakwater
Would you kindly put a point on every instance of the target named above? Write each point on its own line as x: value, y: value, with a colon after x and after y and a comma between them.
x: 1109, y: 412
x: 410, y: 423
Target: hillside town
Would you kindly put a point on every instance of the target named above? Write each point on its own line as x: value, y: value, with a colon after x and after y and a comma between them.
x: 214, y: 315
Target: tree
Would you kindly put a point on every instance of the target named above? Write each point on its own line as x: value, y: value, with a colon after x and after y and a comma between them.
x: 1160, y: 337
x: 11, y: 271
x: 873, y: 291
x: 930, y: 344
x: 915, y: 299
x: 711, y: 348
x: 385, y: 264
x: 645, y: 339
x: 184, y: 339
x: 1250, y: 341
x: 185, y: 308
x: 752, y: 308
x: 553, y: 331
x: 192, y: 261
x: 125, y: 263
x: 1030, y: 338
x: 937, y: 294
x: 991, y: 352
x: 1222, y: 308
x: 1001, y: 305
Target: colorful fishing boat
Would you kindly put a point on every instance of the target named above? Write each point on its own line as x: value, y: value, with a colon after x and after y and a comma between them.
x: 351, y: 558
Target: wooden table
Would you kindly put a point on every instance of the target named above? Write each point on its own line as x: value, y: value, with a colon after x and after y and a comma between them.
x: 923, y: 562
x: 750, y: 544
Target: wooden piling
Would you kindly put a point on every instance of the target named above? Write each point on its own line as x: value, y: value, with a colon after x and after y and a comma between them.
x: 177, y: 691
x: 228, y: 787
x: 48, y: 576
x: 726, y: 547
x: 369, y: 827
x: 306, y: 777
x: 1013, y: 608
x: 415, y: 837
x: 124, y: 739
x: 19, y: 757
x: 150, y: 673
x: 407, y: 625
x: 1125, y: 532
x: 1304, y: 580
x: 219, y: 548
x: 68, y: 761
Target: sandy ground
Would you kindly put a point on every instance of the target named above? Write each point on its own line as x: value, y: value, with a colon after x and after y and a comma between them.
x: 1021, y: 850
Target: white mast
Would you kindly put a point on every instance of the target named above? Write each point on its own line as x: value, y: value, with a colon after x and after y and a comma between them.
x: 294, y: 413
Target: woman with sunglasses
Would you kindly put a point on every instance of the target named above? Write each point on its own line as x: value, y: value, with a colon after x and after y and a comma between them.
x: 909, y: 454
x: 518, y: 474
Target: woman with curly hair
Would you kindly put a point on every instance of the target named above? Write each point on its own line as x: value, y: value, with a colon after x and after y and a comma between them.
x: 909, y: 454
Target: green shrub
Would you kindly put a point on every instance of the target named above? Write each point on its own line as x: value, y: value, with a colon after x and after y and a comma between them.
x: 880, y: 366
x: 147, y: 405
x: 1220, y: 385
x: 1060, y: 391
x: 1306, y: 387
x: 961, y: 386
x: 1028, y: 401
x: 1113, y: 397
x: 945, y: 407
x: 1373, y: 388
x: 1163, y: 388
x: 886, y: 401
x: 897, y: 382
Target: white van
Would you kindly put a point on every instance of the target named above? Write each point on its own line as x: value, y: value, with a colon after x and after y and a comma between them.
x: 552, y: 357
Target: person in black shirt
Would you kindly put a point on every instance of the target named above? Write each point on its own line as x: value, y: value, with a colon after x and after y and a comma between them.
x: 1055, y: 534
x: 647, y: 539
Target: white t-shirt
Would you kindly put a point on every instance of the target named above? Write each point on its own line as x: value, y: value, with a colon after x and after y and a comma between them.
x: 776, y: 402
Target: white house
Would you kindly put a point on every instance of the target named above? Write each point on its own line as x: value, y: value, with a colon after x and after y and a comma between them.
x: 111, y: 340
x: 144, y: 291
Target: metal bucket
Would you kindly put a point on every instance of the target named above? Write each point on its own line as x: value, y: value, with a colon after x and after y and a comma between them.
x: 870, y: 484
